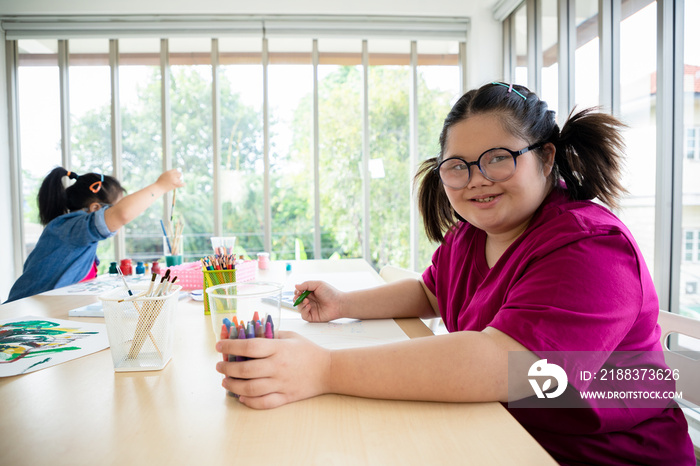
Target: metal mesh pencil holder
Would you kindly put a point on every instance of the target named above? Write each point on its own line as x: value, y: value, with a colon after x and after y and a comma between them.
x: 140, y: 329
x: 216, y: 277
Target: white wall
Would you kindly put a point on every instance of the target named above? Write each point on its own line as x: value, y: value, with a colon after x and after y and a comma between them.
x: 484, y: 52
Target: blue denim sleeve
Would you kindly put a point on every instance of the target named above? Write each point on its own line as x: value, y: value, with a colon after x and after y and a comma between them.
x: 83, y: 228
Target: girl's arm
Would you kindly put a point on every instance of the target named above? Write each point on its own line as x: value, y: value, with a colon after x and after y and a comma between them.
x: 459, y: 367
x: 404, y: 298
x: 133, y: 205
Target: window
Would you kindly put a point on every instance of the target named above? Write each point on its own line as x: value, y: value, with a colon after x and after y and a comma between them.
x: 638, y: 111
x: 290, y: 90
x: 192, y: 139
x: 692, y: 143
x: 389, y: 152
x: 690, y: 219
x: 587, y: 54
x: 340, y: 86
x: 521, y: 46
x: 630, y: 37
x: 140, y: 105
x: 39, y: 113
x: 550, y: 54
x: 241, y: 186
x: 291, y: 123
x: 691, y: 246
x: 438, y: 89
x: 690, y: 273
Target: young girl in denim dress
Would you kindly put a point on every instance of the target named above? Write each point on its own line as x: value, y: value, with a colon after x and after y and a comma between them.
x: 77, y: 212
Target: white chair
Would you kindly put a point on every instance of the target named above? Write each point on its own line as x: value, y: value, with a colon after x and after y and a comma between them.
x: 688, y: 368
x: 391, y: 273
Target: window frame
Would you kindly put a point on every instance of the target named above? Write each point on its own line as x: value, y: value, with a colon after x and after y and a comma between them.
x: 671, y: 137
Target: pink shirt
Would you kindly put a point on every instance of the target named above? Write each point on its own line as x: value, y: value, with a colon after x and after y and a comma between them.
x: 575, y: 280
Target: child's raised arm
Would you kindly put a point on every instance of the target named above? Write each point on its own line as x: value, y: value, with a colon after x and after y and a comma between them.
x: 134, y: 204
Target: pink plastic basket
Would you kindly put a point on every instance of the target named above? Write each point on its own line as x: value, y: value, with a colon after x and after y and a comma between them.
x: 245, y: 271
x: 191, y: 277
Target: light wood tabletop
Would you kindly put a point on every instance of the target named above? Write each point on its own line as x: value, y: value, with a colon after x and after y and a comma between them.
x: 83, y: 412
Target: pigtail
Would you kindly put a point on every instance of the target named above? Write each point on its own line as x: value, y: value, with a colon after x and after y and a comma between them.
x: 433, y: 204
x: 52, y: 198
x: 590, y: 150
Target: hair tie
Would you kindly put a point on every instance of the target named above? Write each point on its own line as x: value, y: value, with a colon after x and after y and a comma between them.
x: 97, y: 185
x: 510, y: 89
x: 67, y: 181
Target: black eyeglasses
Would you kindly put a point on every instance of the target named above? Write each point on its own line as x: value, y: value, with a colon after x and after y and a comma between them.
x: 495, y: 165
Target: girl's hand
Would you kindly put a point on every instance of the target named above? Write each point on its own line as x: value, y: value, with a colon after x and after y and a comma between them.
x: 285, y: 369
x: 322, y: 305
x: 170, y: 180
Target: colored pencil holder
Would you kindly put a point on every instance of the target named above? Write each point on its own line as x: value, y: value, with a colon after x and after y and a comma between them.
x: 140, y: 330
x: 213, y: 278
x: 241, y: 301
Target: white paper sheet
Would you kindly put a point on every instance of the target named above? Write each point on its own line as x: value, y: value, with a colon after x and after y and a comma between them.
x: 347, y: 333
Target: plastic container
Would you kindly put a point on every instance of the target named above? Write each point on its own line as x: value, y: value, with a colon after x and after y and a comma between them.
x: 126, y: 267
x: 189, y: 275
x: 263, y: 260
x: 228, y: 243
x: 140, y: 330
x: 172, y: 250
x: 242, y: 301
x: 213, y: 278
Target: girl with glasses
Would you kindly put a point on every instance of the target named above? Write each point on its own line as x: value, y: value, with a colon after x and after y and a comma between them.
x: 527, y: 265
x: 78, y: 211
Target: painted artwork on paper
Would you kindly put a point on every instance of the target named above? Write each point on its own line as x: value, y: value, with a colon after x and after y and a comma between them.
x: 31, y: 343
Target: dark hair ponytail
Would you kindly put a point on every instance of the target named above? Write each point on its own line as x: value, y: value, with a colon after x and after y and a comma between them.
x: 589, y: 149
x: 433, y: 203
x: 52, y: 196
x: 589, y: 156
x: 63, y: 191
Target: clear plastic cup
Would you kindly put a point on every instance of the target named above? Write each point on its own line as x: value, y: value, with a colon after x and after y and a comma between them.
x: 241, y: 301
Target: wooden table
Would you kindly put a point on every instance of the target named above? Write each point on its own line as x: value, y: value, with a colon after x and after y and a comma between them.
x: 83, y: 412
